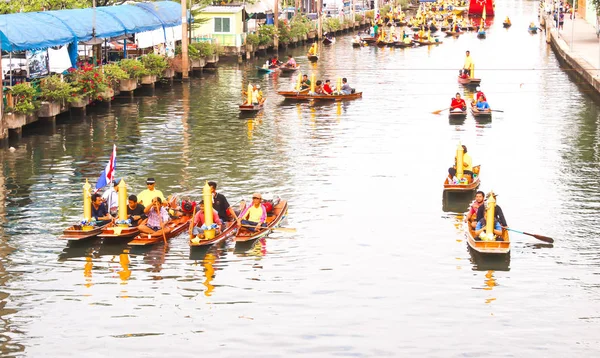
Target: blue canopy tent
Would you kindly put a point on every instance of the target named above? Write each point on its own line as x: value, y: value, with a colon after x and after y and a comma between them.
x: 39, y: 30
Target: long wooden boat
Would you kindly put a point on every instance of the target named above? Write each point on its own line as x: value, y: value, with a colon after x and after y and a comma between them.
x: 481, y: 34
x: 273, y: 221
x: 76, y: 233
x: 404, y: 45
x: 177, y: 226
x: 328, y: 41
x: 487, y: 247
x: 356, y: 44
x: 230, y: 231
x: 322, y: 97
x: 427, y: 42
x: 457, y: 114
x: 532, y: 30
x: 506, y: 25
x: 113, y: 232
x: 381, y: 43
x: 252, y: 107
x: 464, y: 187
x: 454, y: 33
x: 469, y: 81
x: 313, y: 58
x: 265, y: 70
x: 481, y: 114
x: 369, y: 39
x: 289, y: 69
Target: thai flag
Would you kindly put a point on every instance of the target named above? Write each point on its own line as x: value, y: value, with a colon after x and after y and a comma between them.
x: 108, y: 174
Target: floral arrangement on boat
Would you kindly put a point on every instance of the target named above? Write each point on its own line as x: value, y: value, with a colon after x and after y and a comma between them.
x: 123, y: 222
x: 86, y: 225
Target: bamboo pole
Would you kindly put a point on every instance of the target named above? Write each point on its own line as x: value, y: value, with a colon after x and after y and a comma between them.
x: 184, y: 42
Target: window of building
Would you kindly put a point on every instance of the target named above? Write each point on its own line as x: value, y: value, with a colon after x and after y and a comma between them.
x: 222, y: 24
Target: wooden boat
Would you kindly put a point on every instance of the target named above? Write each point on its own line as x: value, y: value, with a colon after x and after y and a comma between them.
x: 464, y: 187
x: 481, y: 114
x: 457, y: 114
x: 401, y: 23
x: 481, y: 34
x: 289, y: 69
x: 356, y: 44
x: 273, y: 221
x: 369, y: 40
x: 381, y: 43
x: 230, y: 231
x: 177, y: 226
x: 77, y: 232
x: 404, y: 45
x: 427, y: 42
x: 454, y: 33
x: 506, y: 25
x: 113, y: 232
x: 469, y: 81
x: 318, y: 97
x: 532, y: 30
x: 433, y: 28
x: 251, y: 107
x: 313, y: 58
x: 445, y: 28
x: 391, y: 43
x: 487, y: 247
x: 328, y: 41
x: 265, y: 70
x: 415, y: 28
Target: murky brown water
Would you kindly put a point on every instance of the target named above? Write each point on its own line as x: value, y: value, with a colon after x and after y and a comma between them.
x: 378, y: 266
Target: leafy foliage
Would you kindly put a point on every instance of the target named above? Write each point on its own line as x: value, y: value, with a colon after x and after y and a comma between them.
x: 23, y: 97
x: 332, y: 24
x: 154, y: 64
x: 284, y: 33
x: 134, y: 68
x: 55, y: 89
x: 87, y: 81
x: 266, y: 33
x: 299, y: 26
x: 114, y: 73
x: 252, y: 39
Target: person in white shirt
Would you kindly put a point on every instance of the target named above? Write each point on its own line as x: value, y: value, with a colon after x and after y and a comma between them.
x: 111, y: 197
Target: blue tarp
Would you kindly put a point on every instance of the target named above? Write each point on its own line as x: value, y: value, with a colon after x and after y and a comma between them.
x: 38, y: 30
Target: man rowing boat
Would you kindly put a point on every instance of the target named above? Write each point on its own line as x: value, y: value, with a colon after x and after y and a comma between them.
x: 458, y: 103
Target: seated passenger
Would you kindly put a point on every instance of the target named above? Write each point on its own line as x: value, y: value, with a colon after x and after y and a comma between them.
x: 458, y: 103
x: 480, y: 227
x: 199, y: 222
x: 253, y: 216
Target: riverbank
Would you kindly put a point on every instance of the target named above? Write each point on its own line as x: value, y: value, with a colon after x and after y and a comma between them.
x: 577, y: 46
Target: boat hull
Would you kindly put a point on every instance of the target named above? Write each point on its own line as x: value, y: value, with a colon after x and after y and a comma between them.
x: 469, y: 81
x: 177, y: 226
x: 74, y: 234
x: 229, y: 232
x: 313, y: 58
x: 464, y: 187
x: 273, y: 221
x: 487, y: 247
x: 111, y: 232
x: 481, y: 114
x: 318, y: 97
x: 287, y: 69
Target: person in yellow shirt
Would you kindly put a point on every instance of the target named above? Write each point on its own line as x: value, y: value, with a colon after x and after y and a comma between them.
x: 467, y: 164
x: 253, y: 216
x: 468, y: 66
x: 313, y: 49
x: 146, y: 196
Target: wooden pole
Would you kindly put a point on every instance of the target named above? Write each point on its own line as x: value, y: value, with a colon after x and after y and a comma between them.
x: 319, y: 19
x: 184, y: 42
x: 276, y: 23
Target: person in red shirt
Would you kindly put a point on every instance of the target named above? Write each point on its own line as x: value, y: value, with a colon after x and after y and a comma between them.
x: 477, y: 96
x: 471, y: 216
x: 327, y: 87
x: 458, y: 103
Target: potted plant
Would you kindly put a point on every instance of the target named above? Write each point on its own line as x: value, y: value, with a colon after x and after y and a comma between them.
x: 135, y: 69
x: 114, y: 75
x: 88, y: 82
x: 169, y: 72
x: 55, y: 93
x: 154, y: 65
x: 23, y: 104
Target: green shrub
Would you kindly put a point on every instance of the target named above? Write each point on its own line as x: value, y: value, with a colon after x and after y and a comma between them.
x: 266, y: 33
x: 283, y: 31
x: 23, y: 98
x: 331, y: 24
x: 299, y: 26
x: 154, y: 64
x: 87, y: 81
x: 55, y: 89
x: 252, y: 39
x: 114, y: 73
x: 134, y: 68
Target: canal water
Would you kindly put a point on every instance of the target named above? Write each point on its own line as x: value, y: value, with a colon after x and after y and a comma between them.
x: 379, y: 265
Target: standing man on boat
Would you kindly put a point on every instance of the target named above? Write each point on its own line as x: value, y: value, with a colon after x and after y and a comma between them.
x: 135, y: 211
x: 468, y: 65
x: 111, y: 197
x: 100, y: 211
x: 220, y: 203
x: 256, y: 214
x: 152, y: 211
x: 146, y: 196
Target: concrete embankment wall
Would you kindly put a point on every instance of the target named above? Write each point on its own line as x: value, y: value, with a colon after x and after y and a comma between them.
x: 579, y: 66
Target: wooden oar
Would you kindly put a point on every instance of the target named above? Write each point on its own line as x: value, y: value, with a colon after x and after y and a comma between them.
x: 162, y: 225
x: 282, y: 229
x: 192, y: 224
x: 539, y: 237
x: 496, y: 110
x: 440, y: 111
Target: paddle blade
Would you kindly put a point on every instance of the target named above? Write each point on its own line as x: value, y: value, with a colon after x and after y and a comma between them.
x: 285, y: 229
x: 543, y: 238
x: 437, y: 112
